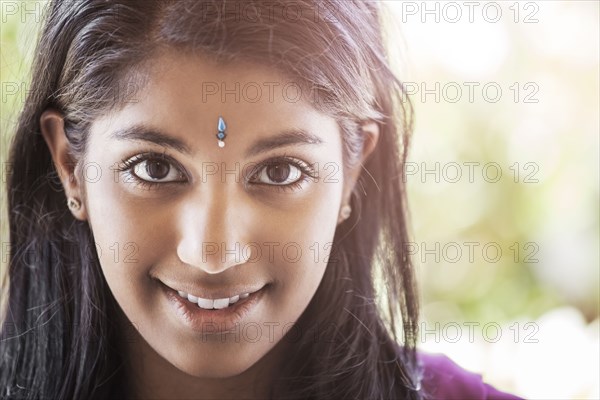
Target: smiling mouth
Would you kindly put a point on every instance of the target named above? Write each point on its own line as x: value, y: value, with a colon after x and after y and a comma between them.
x: 213, y: 304
x: 220, y: 318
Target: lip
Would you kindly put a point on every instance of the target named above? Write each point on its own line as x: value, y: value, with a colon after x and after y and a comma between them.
x: 216, y: 294
x: 212, y: 321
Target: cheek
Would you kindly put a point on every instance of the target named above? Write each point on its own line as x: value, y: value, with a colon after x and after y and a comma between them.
x: 127, y: 243
x: 303, y: 245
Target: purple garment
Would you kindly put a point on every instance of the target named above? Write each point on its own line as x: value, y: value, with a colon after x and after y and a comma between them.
x: 443, y: 379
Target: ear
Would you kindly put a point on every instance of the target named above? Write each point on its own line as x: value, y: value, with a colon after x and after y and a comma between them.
x: 52, y: 128
x: 370, y: 129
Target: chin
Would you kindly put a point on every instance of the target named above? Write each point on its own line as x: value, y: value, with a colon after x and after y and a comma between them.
x: 210, y: 366
x: 215, y: 370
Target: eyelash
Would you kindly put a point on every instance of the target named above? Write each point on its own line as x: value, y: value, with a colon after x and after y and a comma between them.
x: 129, y: 164
x: 306, y: 170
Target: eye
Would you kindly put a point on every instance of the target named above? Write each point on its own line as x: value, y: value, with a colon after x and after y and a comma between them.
x: 156, y: 170
x: 152, y: 168
x: 279, y: 173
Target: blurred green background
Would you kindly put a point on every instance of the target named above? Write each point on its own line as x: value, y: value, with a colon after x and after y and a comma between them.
x: 518, y: 95
x: 508, y: 264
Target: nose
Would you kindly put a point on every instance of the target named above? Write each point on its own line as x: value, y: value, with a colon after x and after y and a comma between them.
x: 212, y: 233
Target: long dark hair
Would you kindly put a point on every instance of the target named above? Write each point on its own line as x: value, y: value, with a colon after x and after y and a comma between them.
x: 59, y: 339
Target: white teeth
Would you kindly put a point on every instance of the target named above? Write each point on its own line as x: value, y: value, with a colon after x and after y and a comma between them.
x: 191, y: 298
x: 209, y: 304
x: 205, y: 303
x: 221, y: 303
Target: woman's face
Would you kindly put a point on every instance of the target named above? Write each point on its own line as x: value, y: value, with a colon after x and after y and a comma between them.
x: 172, y: 211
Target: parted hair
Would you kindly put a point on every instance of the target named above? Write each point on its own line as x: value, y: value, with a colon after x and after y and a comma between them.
x: 59, y: 338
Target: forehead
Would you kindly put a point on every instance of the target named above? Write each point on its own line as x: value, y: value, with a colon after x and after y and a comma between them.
x: 187, y: 94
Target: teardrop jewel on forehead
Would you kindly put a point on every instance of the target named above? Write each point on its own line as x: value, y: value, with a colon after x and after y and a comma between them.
x: 221, y: 135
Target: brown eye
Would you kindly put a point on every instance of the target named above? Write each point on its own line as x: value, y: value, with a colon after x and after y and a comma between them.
x: 156, y: 170
x: 279, y: 173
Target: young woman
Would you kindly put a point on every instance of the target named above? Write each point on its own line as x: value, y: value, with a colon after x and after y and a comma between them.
x: 202, y: 199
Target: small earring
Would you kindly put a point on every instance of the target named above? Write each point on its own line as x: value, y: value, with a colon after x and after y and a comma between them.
x: 73, y: 203
x: 345, y: 212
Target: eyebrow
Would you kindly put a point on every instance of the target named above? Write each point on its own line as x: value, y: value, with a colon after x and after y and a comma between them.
x: 293, y: 136
x: 286, y: 138
x: 148, y: 134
